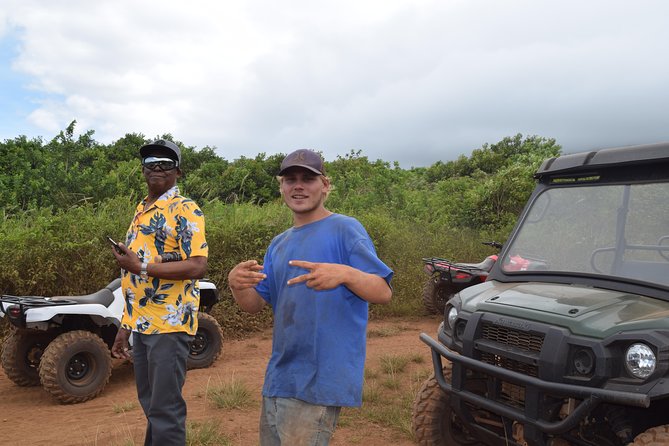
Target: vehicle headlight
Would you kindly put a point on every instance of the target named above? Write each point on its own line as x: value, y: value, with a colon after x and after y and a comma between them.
x: 640, y: 360
x: 451, y: 316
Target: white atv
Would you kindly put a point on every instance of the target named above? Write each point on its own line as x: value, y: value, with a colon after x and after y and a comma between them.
x: 64, y: 342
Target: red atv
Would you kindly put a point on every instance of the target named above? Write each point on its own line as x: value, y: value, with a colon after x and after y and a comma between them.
x: 448, y: 278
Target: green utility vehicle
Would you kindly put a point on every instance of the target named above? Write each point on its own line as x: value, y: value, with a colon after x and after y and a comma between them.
x: 567, y: 342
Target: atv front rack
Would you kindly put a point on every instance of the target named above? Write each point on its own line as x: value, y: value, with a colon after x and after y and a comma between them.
x: 441, y: 264
x: 32, y: 301
x: 15, y: 307
x: 438, y: 264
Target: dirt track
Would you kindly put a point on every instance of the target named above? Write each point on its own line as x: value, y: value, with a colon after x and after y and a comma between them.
x: 31, y: 417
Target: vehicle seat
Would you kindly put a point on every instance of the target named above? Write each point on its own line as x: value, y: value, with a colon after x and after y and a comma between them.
x: 104, y: 297
x: 486, y: 265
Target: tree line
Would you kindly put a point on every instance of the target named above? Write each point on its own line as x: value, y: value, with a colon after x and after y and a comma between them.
x: 484, y: 190
x: 61, y: 197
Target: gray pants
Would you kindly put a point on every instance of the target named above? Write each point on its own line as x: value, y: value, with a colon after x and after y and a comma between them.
x: 160, y: 372
x: 291, y: 422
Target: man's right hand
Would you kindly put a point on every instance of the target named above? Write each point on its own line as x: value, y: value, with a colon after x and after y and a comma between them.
x: 120, y: 348
x: 242, y: 281
x: 245, y: 275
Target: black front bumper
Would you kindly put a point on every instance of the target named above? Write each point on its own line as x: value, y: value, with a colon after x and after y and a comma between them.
x: 535, y: 390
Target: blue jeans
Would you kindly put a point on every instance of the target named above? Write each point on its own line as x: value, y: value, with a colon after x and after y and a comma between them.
x: 291, y: 422
x: 160, y: 371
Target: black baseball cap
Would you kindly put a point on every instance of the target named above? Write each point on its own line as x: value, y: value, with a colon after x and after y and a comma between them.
x: 167, y: 147
x: 303, y: 158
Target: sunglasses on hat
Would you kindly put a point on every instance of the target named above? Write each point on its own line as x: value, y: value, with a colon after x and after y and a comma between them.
x: 159, y: 164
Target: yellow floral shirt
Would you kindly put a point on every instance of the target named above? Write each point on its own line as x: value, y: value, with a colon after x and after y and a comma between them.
x: 172, y: 224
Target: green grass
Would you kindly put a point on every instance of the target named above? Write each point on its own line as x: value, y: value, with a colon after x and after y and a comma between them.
x: 206, y: 433
x: 384, y: 332
x: 420, y: 376
x: 371, y: 393
x: 393, y: 364
x: 388, y: 396
x: 124, y: 407
x: 392, y: 382
x: 396, y: 415
x: 232, y: 394
x: 371, y: 373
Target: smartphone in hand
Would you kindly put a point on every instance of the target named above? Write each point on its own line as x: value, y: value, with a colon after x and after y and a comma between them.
x: 115, y: 245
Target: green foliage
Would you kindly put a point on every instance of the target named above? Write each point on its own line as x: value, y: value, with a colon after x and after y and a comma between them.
x: 489, y: 189
x: 60, y: 198
x: 235, y: 233
x: 360, y: 184
x: 64, y: 252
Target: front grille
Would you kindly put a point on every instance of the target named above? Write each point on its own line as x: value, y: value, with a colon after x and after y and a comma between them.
x: 526, y: 341
x: 520, y: 341
x: 510, y: 364
x: 513, y: 395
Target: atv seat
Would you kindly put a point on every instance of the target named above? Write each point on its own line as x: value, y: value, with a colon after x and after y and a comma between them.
x: 103, y: 297
x: 486, y: 265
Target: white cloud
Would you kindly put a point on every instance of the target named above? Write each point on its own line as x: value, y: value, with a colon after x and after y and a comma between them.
x: 407, y: 80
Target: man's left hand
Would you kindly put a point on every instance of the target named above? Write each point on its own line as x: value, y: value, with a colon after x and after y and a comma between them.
x: 128, y: 260
x: 321, y: 276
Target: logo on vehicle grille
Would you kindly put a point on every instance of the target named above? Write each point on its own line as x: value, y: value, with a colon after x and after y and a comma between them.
x: 511, y: 323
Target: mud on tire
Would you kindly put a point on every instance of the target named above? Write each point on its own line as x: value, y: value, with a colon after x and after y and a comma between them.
x: 433, y: 421
x: 21, y: 354
x: 435, y: 296
x: 655, y: 436
x: 207, y: 344
x: 75, y: 367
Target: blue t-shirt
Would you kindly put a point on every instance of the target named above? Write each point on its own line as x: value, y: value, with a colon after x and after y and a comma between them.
x: 318, y: 345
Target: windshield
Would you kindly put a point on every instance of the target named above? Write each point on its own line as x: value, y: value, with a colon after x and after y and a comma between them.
x: 609, y: 230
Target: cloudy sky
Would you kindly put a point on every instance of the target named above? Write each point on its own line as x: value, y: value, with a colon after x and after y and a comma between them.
x: 414, y: 81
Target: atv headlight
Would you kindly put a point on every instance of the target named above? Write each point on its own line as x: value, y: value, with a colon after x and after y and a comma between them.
x: 451, y: 316
x: 640, y: 360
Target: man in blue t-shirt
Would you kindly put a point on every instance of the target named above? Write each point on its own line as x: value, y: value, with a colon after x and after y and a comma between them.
x: 319, y: 277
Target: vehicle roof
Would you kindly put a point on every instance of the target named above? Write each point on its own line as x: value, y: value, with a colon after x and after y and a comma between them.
x: 613, y: 157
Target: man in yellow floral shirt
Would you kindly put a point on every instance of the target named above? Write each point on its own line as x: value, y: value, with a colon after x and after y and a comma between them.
x: 162, y: 298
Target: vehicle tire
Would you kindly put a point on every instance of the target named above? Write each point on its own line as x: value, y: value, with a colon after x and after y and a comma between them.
x: 21, y: 354
x: 433, y: 421
x: 655, y: 436
x: 75, y: 367
x: 208, y: 343
x: 435, y: 296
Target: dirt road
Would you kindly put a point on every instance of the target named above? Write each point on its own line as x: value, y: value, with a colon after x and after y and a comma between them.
x: 29, y: 416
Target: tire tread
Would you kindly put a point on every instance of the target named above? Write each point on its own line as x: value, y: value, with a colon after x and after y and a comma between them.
x: 655, y: 436
x: 13, y: 362
x: 210, y: 320
x: 54, y: 353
